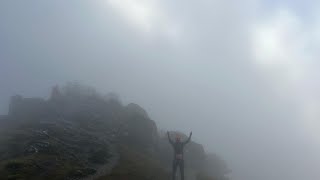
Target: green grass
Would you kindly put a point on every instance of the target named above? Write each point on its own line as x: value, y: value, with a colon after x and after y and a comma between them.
x: 136, y: 166
x: 38, y: 167
x: 55, y: 162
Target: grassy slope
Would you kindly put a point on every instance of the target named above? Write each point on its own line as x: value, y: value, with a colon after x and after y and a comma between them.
x: 57, y: 162
x: 136, y: 166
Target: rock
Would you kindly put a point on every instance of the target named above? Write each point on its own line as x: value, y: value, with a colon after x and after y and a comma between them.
x: 78, y: 134
x: 55, y: 94
x: 31, y: 150
x: 138, y: 129
x: 215, y: 166
x: 134, y: 109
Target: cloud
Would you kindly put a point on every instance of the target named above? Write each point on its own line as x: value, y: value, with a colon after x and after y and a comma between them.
x: 285, y: 46
x: 246, y: 84
x: 148, y: 16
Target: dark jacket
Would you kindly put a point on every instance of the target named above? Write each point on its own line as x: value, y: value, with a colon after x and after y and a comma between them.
x: 178, y: 146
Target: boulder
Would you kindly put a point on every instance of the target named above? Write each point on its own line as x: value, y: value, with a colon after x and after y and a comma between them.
x: 138, y: 129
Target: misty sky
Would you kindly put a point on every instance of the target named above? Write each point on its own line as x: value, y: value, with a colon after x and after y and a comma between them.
x: 243, y: 76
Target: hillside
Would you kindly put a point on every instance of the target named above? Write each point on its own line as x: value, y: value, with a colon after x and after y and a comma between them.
x: 78, y: 134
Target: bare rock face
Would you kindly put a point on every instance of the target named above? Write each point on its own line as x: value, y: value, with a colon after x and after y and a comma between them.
x: 55, y: 94
x: 195, y: 155
x: 135, y: 109
x: 216, y: 167
x: 138, y: 129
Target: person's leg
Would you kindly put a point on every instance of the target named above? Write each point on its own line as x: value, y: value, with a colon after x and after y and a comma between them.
x: 174, y: 169
x: 181, y: 165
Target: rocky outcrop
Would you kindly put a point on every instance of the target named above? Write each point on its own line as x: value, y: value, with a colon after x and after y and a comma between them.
x: 76, y: 134
x: 137, y: 129
x: 135, y: 110
x: 55, y: 94
x: 216, y: 167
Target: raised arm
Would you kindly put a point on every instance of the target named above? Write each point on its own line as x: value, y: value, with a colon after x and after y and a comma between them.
x: 170, y: 141
x: 188, y: 140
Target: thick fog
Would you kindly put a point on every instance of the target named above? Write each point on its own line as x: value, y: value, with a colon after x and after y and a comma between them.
x: 242, y: 75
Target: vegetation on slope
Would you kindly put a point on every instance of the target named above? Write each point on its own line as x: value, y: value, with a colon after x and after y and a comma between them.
x: 134, y: 165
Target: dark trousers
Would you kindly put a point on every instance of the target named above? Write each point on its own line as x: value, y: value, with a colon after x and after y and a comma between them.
x: 176, y: 163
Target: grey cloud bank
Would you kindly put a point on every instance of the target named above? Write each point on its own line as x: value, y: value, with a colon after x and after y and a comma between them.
x: 203, y: 77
